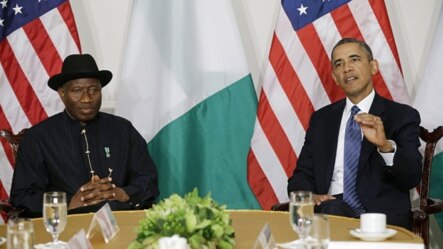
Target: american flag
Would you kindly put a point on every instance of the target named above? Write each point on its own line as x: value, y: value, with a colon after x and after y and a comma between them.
x: 35, y: 37
x: 298, y: 81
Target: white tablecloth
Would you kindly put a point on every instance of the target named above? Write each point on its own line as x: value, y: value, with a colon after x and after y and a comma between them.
x: 373, y: 245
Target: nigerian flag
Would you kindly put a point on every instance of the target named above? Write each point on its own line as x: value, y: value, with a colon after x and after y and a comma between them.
x: 187, y: 89
x: 430, y: 104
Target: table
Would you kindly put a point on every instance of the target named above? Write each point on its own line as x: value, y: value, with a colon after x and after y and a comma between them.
x: 247, y: 225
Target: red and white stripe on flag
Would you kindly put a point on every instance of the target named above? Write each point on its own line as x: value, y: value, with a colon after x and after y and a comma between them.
x: 35, y: 37
x: 298, y: 81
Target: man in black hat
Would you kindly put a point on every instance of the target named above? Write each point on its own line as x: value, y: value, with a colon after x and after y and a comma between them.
x: 94, y: 157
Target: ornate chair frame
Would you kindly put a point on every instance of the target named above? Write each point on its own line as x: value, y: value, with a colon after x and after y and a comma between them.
x: 14, y: 141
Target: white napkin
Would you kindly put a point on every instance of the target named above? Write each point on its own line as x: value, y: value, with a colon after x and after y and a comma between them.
x: 2, y: 240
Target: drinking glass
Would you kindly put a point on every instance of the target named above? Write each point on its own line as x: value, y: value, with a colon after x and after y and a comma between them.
x: 20, y: 234
x: 55, y: 217
x: 301, y: 212
x: 319, y: 233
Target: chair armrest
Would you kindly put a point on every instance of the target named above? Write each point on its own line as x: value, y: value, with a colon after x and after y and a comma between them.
x: 418, y: 215
x: 419, y: 218
x: 280, y: 207
x: 433, y: 206
x: 7, y: 208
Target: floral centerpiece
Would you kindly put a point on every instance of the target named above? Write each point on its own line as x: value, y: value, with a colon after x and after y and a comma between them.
x: 203, y: 222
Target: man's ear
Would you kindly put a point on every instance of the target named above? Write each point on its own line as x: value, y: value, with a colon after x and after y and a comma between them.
x: 61, y: 92
x: 374, y: 65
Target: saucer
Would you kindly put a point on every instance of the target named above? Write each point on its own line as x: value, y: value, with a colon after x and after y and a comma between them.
x: 373, y: 236
x: 291, y: 245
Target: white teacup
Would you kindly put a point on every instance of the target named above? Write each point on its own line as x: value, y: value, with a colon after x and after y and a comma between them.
x: 372, y: 223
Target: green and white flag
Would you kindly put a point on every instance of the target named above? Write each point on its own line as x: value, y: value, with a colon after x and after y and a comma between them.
x: 430, y: 105
x: 187, y: 88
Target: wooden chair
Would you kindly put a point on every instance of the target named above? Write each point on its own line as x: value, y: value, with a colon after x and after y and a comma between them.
x: 280, y: 207
x: 14, y: 141
x: 427, y: 206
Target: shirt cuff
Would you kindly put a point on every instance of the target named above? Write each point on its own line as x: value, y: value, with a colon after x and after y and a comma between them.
x: 388, y: 157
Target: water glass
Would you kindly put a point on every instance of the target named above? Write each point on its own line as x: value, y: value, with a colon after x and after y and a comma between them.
x: 301, y: 212
x: 319, y: 235
x: 55, y: 217
x: 20, y: 234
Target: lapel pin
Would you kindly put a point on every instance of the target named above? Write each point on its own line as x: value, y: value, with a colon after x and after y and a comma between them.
x: 108, y: 152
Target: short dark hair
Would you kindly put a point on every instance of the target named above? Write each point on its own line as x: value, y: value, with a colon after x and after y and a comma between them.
x: 362, y: 45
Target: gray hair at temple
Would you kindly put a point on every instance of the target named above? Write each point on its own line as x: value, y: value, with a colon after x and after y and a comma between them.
x: 362, y: 45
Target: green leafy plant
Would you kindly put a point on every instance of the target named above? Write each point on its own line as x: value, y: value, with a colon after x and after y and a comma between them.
x: 200, y: 220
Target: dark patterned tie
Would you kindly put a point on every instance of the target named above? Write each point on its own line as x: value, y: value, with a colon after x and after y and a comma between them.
x: 352, y: 154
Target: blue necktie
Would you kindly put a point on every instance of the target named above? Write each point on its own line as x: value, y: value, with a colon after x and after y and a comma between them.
x: 353, y: 141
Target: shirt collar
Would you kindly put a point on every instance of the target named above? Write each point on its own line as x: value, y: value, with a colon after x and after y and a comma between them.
x: 363, y: 105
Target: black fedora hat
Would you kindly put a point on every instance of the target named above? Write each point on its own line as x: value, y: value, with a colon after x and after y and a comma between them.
x: 78, y: 66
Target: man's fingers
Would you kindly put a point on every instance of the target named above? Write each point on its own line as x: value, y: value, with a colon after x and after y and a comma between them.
x: 105, y: 180
x: 318, y: 199
x: 98, y: 196
x: 102, y: 185
x: 368, y: 119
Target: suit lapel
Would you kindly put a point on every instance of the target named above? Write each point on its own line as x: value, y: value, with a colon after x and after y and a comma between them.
x: 377, y: 109
x: 332, y: 133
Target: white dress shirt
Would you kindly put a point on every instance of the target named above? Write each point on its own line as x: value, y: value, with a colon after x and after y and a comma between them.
x: 337, y: 176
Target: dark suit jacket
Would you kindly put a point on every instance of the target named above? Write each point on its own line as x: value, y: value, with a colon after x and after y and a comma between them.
x: 381, y: 188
